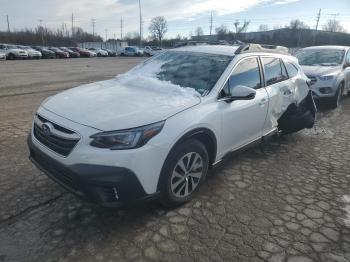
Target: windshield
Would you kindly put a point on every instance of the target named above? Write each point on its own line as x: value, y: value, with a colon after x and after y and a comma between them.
x: 325, y: 57
x: 199, y: 71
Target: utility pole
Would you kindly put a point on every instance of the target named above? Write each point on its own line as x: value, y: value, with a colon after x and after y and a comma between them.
x: 93, y: 21
x: 121, y: 28
x: 140, y: 23
x: 8, y: 23
x: 318, y: 18
x: 42, y: 31
x: 72, y: 25
x: 106, y: 30
x: 211, y: 22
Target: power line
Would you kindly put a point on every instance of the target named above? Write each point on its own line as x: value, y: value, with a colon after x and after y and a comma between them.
x: 318, y: 18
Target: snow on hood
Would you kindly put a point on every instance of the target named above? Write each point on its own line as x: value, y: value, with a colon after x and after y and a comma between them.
x: 130, y: 100
x: 317, y: 70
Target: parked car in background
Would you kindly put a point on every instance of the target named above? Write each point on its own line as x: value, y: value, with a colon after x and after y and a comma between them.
x: 71, y: 53
x: 328, y: 68
x: 32, y: 53
x: 45, y: 52
x: 110, y: 52
x: 174, y: 116
x: 151, y: 50
x: 2, y: 56
x: 83, y: 52
x: 131, y: 51
x: 59, y: 53
x: 13, y: 52
x: 99, y: 52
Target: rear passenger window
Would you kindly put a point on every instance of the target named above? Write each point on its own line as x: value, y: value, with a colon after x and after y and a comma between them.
x: 274, y: 70
x: 291, y: 69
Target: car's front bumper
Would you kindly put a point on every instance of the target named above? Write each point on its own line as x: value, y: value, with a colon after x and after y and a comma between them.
x: 324, y: 89
x: 105, y: 185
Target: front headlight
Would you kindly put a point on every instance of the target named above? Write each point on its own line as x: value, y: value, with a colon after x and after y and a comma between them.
x: 326, y: 78
x: 126, y: 139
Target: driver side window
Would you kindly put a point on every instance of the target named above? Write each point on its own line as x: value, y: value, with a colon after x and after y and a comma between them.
x: 246, y: 73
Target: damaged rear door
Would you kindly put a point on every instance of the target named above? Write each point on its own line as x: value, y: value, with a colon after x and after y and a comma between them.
x: 291, y: 106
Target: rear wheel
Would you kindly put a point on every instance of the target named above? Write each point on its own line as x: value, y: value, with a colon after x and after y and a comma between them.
x: 183, y: 172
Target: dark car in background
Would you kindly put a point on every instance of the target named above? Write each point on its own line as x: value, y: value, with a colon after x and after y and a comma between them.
x: 59, y: 53
x: 71, y: 53
x: 46, y: 53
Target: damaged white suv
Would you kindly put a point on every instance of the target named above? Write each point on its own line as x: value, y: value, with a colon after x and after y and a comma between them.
x: 155, y: 131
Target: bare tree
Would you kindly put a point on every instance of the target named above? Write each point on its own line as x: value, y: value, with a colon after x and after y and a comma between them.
x: 263, y: 28
x: 158, y: 28
x: 333, y: 26
x: 221, y: 31
x: 243, y: 28
x: 297, y: 24
x: 199, y: 31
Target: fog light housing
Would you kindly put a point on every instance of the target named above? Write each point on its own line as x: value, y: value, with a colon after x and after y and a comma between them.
x: 325, y: 90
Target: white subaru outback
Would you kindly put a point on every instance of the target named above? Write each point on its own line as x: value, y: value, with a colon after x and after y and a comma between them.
x: 155, y: 131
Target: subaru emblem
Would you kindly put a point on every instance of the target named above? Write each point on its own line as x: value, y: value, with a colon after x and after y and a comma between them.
x: 46, y: 129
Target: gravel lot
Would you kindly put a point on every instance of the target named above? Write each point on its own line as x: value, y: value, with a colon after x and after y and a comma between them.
x: 283, y: 201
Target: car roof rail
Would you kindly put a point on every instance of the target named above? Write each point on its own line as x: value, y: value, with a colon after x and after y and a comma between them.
x: 251, y: 48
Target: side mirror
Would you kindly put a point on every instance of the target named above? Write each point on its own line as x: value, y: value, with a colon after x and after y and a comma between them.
x: 308, y: 82
x: 241, y: 93
x: 347, y: 64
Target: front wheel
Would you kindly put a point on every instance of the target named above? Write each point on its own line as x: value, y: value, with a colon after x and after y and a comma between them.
x: 11, y: 57
x: 335, y: 101
x: 183, y: 172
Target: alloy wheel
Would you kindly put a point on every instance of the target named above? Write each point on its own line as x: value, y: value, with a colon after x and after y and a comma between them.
x: 186, y: 175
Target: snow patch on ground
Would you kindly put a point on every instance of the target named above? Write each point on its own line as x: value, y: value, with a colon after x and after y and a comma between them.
x: 145, y: 76
x: 346, y: 200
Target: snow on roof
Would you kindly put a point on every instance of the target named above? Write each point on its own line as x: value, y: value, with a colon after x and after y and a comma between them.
x: 210, y: 49
x: 335, y: 47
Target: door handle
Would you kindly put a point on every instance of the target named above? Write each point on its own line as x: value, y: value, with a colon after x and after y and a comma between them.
x: 263, y: 102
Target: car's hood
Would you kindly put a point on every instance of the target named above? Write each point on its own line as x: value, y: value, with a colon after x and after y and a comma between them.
x: 116, y: 104
x: 32, y: 51
x: 321, y: 70
x: 17, y: 50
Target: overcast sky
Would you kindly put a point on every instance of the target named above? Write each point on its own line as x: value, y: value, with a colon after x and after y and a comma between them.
x: 183, y: 16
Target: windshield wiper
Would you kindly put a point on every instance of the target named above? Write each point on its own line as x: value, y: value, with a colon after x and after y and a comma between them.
x: 328, y: 64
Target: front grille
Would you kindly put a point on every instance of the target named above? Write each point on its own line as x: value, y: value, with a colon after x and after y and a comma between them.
x: 58, y: 143
x: 313, y: 79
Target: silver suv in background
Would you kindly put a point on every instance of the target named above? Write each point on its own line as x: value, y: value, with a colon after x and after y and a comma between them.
x: 328, y: 68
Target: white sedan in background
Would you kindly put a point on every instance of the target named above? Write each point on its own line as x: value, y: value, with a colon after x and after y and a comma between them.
x: 99, y: 51
x: 32, y: 53
x: 152, y: 50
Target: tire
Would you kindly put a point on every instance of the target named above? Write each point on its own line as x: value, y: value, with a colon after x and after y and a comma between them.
x: 11, y: 57
x: 177, y: 185
x: 334, y: 102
